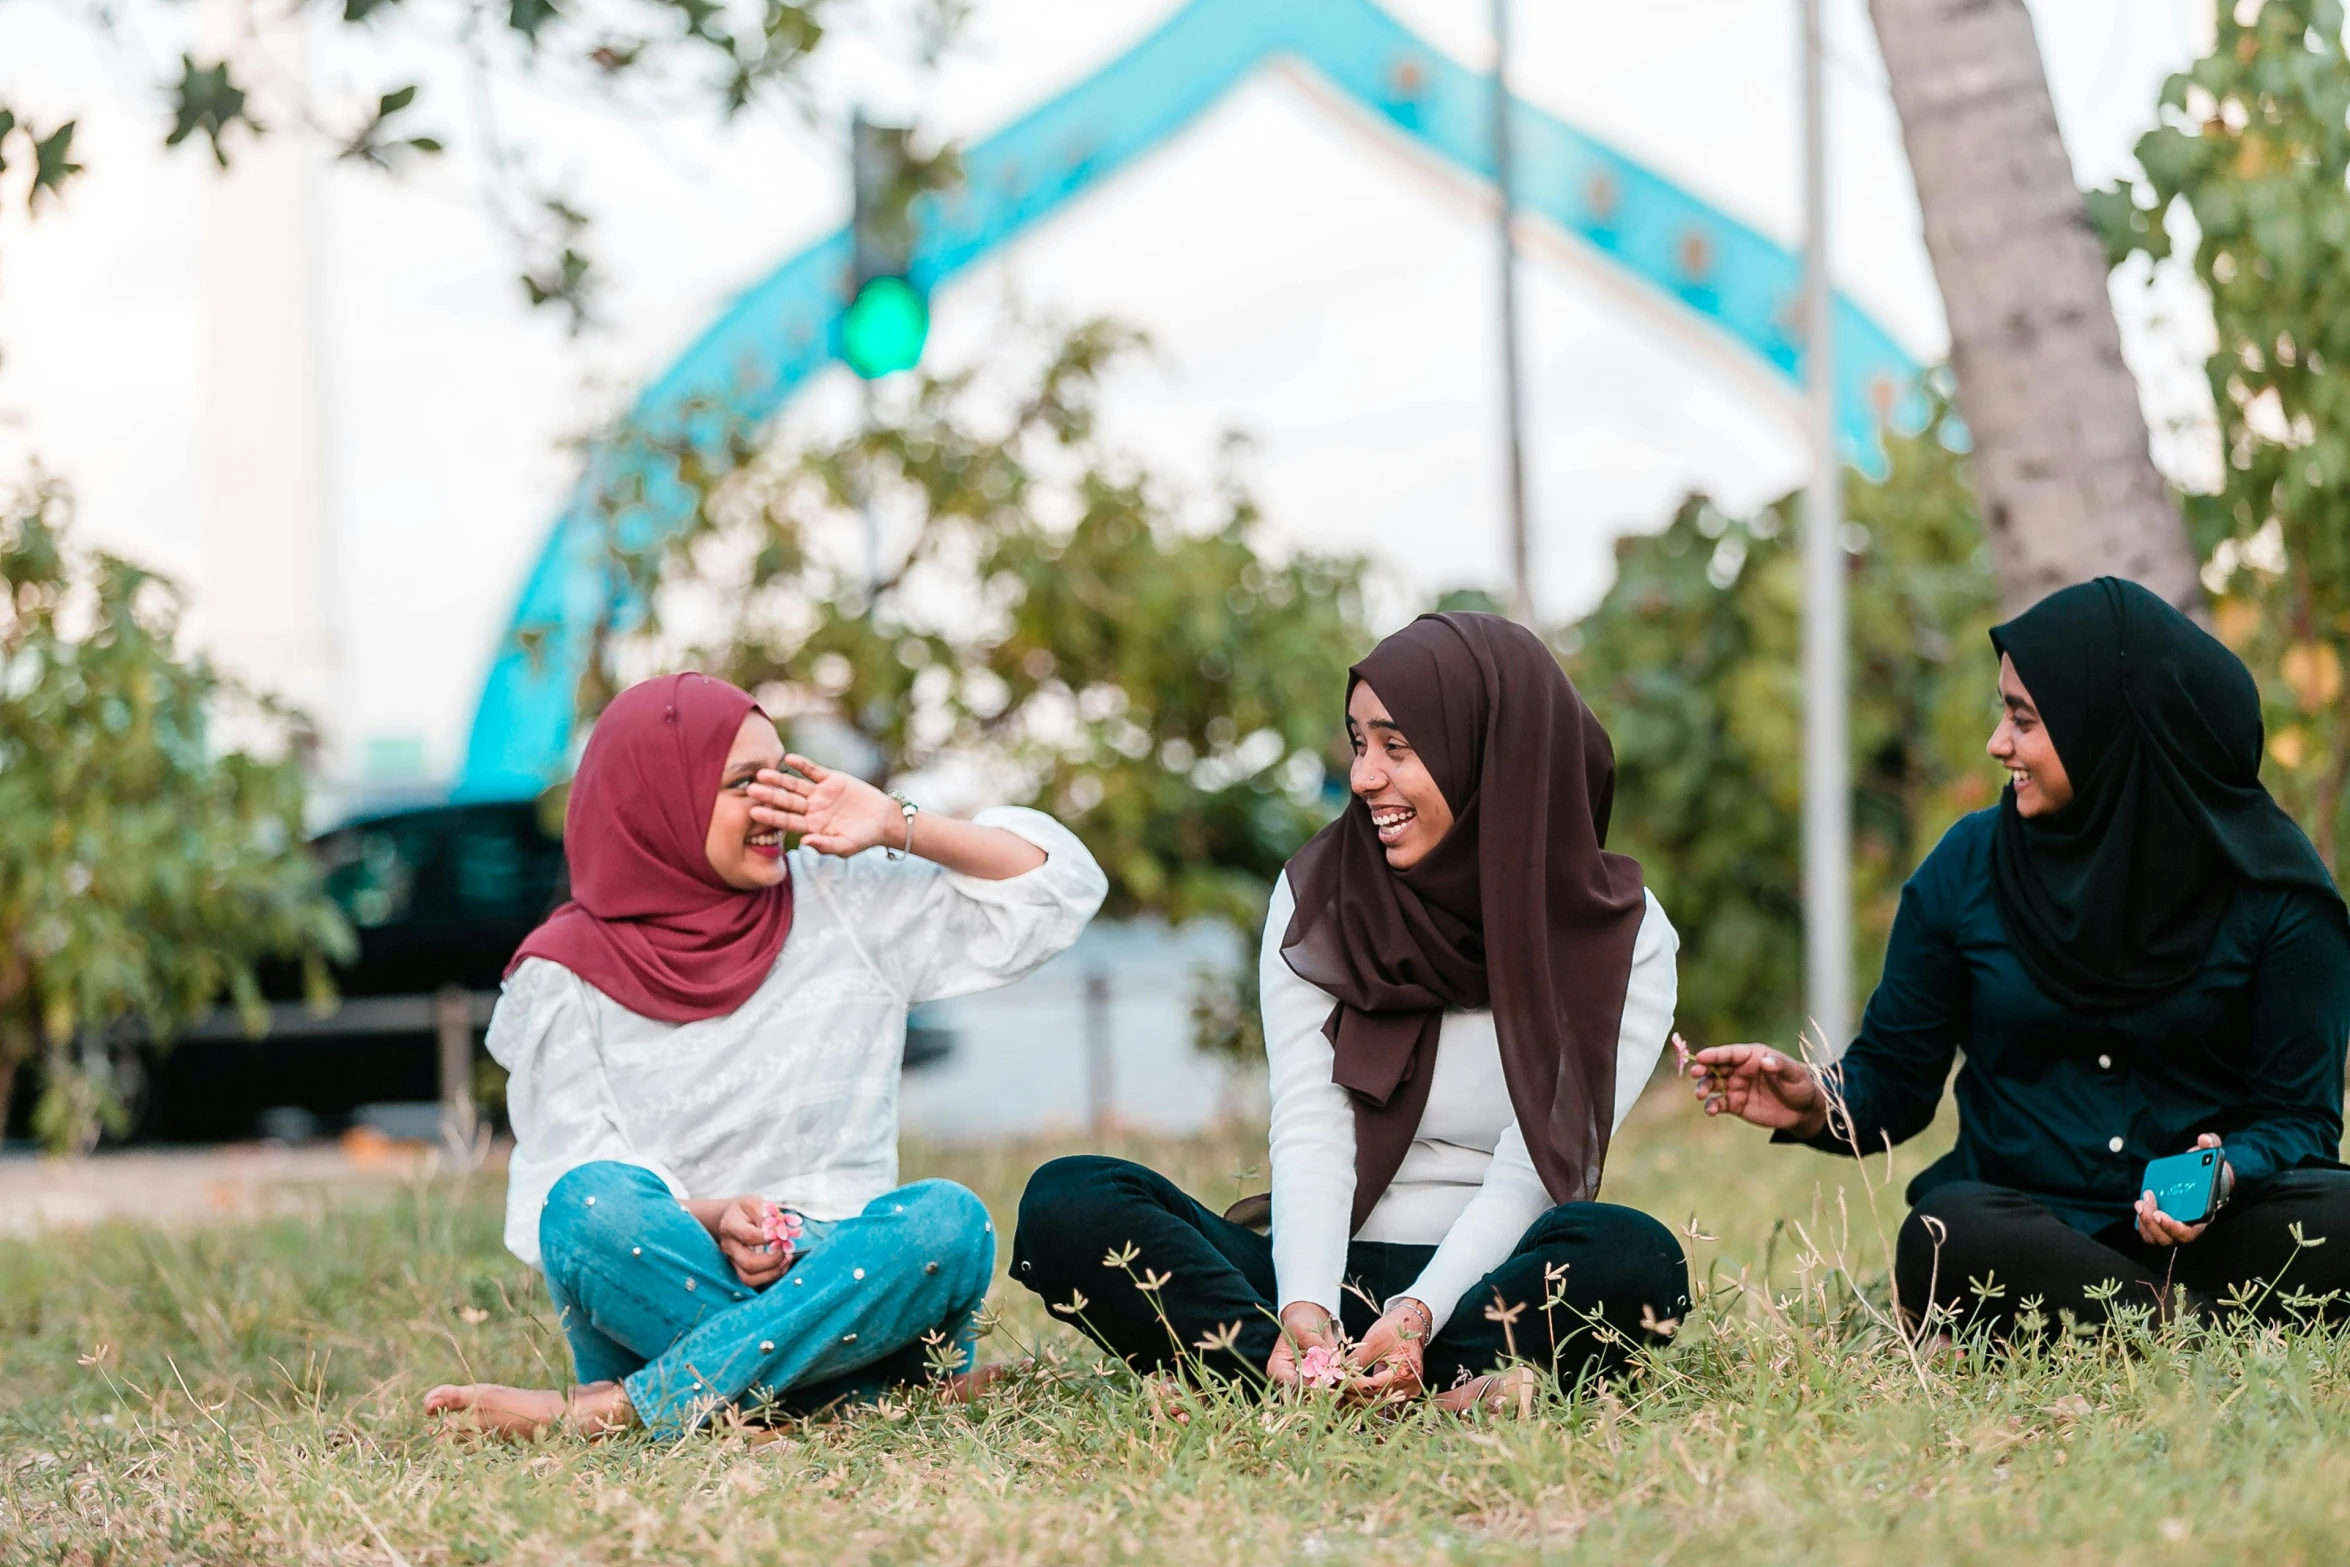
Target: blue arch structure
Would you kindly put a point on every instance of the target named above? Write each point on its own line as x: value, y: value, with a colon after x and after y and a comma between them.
x: 784, y: 329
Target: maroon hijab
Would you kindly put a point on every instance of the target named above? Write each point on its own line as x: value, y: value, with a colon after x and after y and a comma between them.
x: 1524, y: 912
x: 649, y: 922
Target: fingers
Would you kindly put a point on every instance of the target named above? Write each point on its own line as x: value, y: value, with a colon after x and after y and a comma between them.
x: 810, y: 770
x: 2208, y: 1140
x: 782, y: 814
x: 1393, y: 1379
x: 770, y: 783
x: 758, y: 1272
x: 2157, y: 1228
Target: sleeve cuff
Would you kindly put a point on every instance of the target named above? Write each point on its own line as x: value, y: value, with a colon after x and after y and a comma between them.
x: 1826, y: 1141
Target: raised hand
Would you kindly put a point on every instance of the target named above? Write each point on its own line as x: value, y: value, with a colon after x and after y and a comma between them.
x: 1756, y: 1083
x: 833, y: 812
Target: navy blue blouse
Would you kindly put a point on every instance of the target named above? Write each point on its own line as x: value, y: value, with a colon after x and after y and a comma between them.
x: 2068, y: 1107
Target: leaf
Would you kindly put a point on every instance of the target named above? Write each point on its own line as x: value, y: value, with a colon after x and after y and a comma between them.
x: 206, y: 99
x: 528, y: 17
x: 53, y: 164
x: 372, y: 144
x: 2124, y: 226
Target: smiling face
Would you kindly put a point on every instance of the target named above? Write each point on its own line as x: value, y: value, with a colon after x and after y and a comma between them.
x: 2021, y: 744
x: 1408, y: 810
x: 746, y: 855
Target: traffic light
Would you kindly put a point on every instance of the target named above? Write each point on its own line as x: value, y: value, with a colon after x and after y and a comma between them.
x: 887, y: 320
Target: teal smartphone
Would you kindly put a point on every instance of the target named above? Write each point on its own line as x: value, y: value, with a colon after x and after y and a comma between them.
x: 2185, y: 1185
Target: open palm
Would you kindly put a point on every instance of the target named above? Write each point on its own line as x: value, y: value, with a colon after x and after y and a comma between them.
x: 832, y: 811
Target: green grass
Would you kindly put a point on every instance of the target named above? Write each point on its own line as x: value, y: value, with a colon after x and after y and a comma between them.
x: 248, y: 1393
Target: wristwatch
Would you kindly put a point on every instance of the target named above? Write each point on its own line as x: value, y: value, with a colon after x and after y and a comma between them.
x: 906, y: 808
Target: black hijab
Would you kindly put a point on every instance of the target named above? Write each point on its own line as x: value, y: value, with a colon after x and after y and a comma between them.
x: 2111, y: 902
x: 1532, y: 918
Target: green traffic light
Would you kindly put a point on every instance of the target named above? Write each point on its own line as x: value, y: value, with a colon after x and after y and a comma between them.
x: 884, y: 327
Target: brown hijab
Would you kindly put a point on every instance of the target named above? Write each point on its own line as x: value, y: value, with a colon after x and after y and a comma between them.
x: 1531, y: 918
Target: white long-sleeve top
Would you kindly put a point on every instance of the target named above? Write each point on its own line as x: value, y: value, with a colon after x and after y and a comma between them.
x: 1467, y: 1185
x: 793, y: 1096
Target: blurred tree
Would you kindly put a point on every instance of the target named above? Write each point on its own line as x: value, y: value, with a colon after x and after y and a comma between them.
x: 2249, y: 165
x: 2069, y: 488
x: 973, y: 582
x: 660, y: 51
x: 142, y: 875
x: 1691, y: 661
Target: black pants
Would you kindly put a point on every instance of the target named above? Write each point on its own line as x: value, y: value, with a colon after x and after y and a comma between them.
x: 1617, y: 1272
x: 1969, y: 1234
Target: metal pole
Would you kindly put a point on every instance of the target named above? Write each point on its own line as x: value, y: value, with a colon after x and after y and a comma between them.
x: 1101, y: 1103
x: 453, y: 1025
x: 1827, y: 778
x: 865, y: 510
x: 1514, y: 478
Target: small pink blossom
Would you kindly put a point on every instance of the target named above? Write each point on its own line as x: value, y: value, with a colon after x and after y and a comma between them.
x: 1321, y: 1366
x: 781, y: 1227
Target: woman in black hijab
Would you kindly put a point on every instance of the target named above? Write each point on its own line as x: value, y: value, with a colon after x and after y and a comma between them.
x: 2139, y: 954
x: 1463, y: 992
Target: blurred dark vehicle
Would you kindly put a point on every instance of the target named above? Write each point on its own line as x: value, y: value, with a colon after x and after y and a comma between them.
x: 439, y: 896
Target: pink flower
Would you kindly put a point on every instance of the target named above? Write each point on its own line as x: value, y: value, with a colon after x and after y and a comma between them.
x: 781, y: 1227
x: 1321, y: 1366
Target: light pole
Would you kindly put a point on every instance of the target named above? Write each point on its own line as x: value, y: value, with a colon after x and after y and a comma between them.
x: 1514, y: 473
x: 1827, y: 750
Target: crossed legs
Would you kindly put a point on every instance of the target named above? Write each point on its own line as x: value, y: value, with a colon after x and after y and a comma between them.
x: 663, y: 1333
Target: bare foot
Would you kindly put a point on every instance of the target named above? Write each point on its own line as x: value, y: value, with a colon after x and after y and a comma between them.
x: 1495, y: 1393
x: 964, y: 1386
x: 1169, y: 1400
x: 521, y: 1414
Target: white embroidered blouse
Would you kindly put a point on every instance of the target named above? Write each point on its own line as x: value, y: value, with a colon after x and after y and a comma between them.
x: 1467, y: 1185
x: 792, y: 1096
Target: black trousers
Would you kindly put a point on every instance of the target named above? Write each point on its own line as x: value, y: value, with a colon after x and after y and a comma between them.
x: 1986, y: 1253
x: 1616, y: 1276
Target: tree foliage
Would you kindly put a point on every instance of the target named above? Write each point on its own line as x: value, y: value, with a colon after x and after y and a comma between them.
x: 1041, y: 611
x: 2252, y: 160
x: 143, y: 874
x: 723, y: 55
x: 1692, y: 661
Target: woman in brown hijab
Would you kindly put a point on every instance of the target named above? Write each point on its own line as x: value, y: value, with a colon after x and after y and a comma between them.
x: 1463, y: 994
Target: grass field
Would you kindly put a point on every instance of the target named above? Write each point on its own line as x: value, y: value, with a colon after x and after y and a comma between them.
x: 248, y: 1393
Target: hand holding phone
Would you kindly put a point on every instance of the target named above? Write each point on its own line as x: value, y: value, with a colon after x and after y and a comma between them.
x: 2182, y: 1193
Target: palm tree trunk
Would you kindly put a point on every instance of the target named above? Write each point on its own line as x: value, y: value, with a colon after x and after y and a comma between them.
x: 2068, y: 488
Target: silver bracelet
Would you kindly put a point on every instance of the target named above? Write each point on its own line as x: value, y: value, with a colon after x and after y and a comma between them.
x: 906, y: 808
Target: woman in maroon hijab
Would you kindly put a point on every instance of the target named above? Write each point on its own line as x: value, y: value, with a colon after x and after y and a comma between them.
x: 703, y: 1050
x: 1463, y: 994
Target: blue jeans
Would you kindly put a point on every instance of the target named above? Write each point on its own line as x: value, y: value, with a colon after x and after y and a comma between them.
x: 646, y: 1297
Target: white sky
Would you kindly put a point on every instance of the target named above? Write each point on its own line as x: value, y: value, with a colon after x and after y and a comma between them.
x: 1303, y: 284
